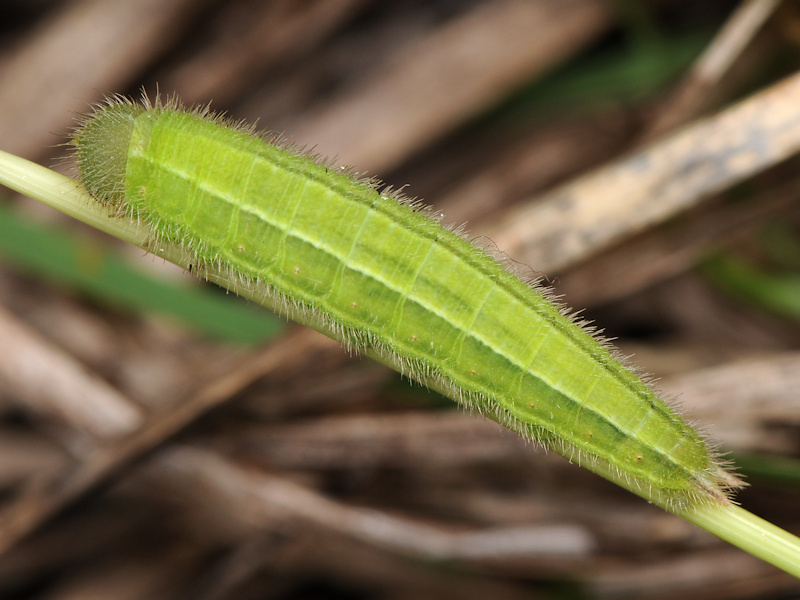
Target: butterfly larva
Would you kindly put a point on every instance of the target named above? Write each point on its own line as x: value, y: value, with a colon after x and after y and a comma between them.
x: 382, y: 277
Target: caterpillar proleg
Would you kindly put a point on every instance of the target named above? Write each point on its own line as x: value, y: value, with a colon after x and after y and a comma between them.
x: 380, y: 275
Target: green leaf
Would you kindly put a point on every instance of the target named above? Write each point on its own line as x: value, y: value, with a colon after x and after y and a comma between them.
x: 97, y: 270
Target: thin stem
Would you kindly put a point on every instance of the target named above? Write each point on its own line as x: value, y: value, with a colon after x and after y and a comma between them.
x: 728, y: 522
x: 752, y: 534
x: 65, y: 195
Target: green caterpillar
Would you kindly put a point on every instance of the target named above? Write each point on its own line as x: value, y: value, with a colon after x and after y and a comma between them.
x: 380, y: 275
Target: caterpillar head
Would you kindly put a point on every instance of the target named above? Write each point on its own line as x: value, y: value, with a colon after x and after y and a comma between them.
x: 101, y: 142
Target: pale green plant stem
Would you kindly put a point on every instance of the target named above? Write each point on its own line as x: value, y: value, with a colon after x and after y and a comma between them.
x: 749, y: 532
x: 735, y: 525
x: 729, y: 522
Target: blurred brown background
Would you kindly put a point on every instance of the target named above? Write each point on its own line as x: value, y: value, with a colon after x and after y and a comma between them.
x: 639, y: 155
